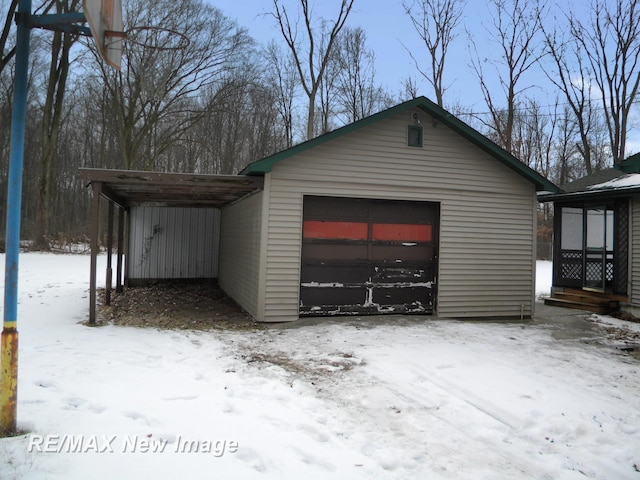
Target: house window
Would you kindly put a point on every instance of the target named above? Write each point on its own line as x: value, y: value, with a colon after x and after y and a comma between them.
x: 414, y: 136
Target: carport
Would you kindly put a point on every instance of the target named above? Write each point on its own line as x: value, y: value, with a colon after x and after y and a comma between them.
x: 129, y: 188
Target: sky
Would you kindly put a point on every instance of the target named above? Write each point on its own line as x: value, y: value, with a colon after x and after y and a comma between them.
x: 390, y: 33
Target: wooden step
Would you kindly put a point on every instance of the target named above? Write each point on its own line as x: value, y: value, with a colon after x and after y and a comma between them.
x: 596, y: 294
x: 590, y: 307
x: 585, y: 297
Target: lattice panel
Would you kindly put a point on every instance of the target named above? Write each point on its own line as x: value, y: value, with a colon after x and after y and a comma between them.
x: 571, y: 266
x: 593, y: 272
x: 609, y: 271
x: 571, y: 255
x: 571, y: 271
x: 621, y: 242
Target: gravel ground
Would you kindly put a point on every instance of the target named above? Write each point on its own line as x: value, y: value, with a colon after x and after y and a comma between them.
x: 174, y: 306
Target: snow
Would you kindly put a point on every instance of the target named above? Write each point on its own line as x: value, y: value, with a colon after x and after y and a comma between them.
x: 626, y: 181
x: 544, y: 275
x: 371, y: 398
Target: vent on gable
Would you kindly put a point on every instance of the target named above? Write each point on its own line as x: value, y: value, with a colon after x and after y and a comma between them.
x: 414, y: 136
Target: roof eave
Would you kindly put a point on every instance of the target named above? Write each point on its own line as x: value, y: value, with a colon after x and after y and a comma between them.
x: 266, y: 164
x: 589, y: 194
x: 542, y: 184
x: 475, y: 137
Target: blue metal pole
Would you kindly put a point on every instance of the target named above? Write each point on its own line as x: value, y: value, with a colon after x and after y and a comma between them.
x: 9, y: 352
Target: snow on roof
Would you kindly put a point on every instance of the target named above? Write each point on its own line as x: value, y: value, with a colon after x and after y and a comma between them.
x: 629, y: 180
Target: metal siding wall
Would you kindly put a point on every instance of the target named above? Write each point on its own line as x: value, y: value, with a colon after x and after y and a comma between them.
x: 240, y: 252
x: 486, y: 220
x: 168, y: 242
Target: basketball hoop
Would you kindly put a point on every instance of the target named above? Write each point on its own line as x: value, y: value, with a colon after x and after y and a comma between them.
x: 105, y: 22
x: 157, y: 38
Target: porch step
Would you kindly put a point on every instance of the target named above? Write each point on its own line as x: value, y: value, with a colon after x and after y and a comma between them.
x: 596, y: 302
x: 595, y: 294
x: 557, y: 302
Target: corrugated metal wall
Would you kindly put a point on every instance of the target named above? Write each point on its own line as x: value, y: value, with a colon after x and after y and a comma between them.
x: 173, y: 242
x: 487, y: 240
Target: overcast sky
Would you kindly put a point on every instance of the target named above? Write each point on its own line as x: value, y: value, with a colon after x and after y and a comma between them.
x: 390, y: 33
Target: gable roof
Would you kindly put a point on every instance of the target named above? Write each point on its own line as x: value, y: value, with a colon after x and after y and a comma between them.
x: 265, y: 165
x: 587, y: 182
x: 620, y: 180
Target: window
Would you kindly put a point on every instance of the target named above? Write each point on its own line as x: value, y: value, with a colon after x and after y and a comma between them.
x: 414, y: 136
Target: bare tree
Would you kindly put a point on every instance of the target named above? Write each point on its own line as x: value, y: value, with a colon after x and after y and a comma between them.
x: 150, y: 98
x: 409, y: 89
x: 516, y: 26
x: 281, y: 76
x: 52, y: 111
x: 327, y: 91
x: 565, y: 151
x: 436, y: 22
x: 317, y: 48
x: 611, y: 43
x: 534, y: 131
x: 571, y: 75
x: 348, y: 91
x: 240, y: 125
x: 357, y: 94
x: 7, y: 55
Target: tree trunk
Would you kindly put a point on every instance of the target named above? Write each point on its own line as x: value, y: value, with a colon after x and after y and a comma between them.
x: 52, y: 118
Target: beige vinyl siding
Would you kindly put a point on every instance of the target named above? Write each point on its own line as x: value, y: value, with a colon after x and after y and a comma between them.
x: 487, y: 213
x: 240, y: 251
x: 634, y: 274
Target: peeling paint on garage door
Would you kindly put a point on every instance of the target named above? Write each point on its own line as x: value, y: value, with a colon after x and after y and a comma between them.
x: 368, y: 256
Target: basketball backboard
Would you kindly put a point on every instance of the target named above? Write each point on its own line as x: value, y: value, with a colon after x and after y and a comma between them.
x: 105, y: 21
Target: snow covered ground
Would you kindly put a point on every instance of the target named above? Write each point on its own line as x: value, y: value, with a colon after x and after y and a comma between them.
x: 399, y: 397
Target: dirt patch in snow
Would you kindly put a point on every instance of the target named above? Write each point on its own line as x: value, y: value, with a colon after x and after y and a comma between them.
x: 624, y: 336
x: 174, y: 306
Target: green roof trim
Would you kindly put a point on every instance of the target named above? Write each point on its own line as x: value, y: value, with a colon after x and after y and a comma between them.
x: 630, y: 164
x: 542, y: 184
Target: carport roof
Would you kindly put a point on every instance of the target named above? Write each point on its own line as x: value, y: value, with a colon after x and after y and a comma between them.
x: 131, y: 187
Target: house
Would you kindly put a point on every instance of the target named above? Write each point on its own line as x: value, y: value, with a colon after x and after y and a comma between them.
x: 596, y: 260
x: 407, y: 211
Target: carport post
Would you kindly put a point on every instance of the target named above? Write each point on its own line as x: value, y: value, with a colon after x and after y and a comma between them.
x: 120, y: 249
x: 95, y: 231
x: 109, y: 251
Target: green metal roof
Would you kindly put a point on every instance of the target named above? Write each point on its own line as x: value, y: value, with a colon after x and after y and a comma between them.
x: 542, y: 184
x: 589, y: 186
x: 630, y: 164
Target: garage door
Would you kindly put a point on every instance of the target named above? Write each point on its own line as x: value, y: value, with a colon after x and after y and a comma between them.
x: 366, y: 256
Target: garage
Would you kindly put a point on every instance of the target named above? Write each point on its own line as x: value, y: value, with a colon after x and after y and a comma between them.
x: 361, y: 220
x: 368, y: 256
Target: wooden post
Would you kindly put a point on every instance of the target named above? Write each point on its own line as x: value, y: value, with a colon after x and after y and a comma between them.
x: 95, y: 231
x: 120, y: 250
x: 109, y: 252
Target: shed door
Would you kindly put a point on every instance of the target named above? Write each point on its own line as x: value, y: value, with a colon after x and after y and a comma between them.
x: 365, y: 256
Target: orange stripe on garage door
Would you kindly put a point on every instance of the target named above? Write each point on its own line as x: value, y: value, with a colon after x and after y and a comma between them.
x: 336, y: 230
x: 400, y: 232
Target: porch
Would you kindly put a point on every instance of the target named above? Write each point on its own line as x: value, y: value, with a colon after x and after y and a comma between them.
x: 585, y: 299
